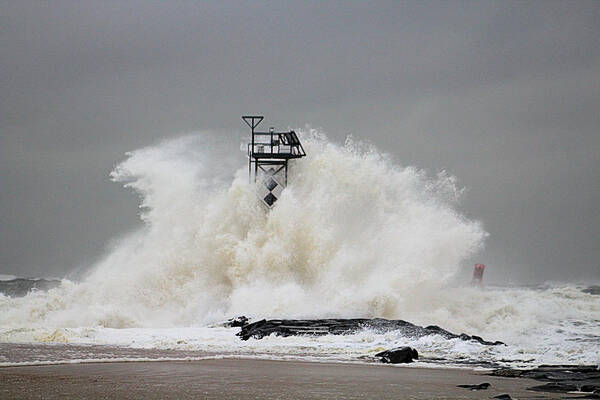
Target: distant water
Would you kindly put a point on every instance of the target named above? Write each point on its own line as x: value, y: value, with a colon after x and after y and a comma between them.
x: 353, y: 235
x: 17, y: 287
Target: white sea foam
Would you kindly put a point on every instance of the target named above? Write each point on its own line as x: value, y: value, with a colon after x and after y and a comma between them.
x: 353, y: 235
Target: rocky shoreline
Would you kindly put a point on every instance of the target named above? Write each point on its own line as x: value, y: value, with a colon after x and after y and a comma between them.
x: 292, y: 327
x: 578, y: 381
x: 559, y: 378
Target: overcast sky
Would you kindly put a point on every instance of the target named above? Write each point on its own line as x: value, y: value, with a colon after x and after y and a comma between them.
x: 505, y: 95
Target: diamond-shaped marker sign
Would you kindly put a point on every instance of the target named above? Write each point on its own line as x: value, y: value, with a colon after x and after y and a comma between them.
x: 270, y: 199
x: 270, y: 184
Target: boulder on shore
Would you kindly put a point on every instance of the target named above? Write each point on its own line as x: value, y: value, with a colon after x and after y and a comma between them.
x: 398, y: 355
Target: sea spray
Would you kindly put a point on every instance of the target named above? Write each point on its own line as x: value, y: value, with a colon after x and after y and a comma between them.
x: 353, y: 235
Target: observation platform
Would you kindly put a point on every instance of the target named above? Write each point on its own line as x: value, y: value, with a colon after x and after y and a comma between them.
x: 281, y: 145
x: 268, y: 156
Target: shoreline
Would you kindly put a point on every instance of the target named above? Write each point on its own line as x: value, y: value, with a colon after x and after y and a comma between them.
x: 223, y: 378
x: 38, y: 354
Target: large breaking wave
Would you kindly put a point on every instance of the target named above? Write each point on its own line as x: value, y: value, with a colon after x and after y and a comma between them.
x: 353, y: 235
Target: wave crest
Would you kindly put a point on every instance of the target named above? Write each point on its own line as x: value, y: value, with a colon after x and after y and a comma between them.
x: 353, y: 235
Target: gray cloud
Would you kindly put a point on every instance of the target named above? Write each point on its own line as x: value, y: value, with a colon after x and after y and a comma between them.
x: 503, y: 94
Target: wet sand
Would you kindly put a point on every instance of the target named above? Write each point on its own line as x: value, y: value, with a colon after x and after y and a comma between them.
x: 250, y: 379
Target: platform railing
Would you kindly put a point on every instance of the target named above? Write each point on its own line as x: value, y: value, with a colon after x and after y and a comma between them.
x: 271, y: 145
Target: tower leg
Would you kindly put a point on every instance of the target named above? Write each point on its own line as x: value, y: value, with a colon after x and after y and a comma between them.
x: 255, y: 170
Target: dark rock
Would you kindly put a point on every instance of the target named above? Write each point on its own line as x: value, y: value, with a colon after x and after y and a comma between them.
x: 507, y: 373
x: 398, y: 355
x: 291, y: 327
x: 572, y: 375
x: 237, y: 321
x: 594, y: 387
x: 554, y: 387
x: 19, y: 287
x: 481, y: 386
x: 560, y: 378
x: 503, y: 397
x: 595, y: 289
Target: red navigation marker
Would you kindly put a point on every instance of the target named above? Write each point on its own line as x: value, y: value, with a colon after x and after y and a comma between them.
x: 478, y: 274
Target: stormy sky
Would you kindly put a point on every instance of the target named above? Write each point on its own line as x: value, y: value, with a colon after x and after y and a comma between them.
x: 505, y: 95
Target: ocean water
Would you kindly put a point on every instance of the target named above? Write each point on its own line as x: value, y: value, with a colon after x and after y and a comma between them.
x: 353, y: 235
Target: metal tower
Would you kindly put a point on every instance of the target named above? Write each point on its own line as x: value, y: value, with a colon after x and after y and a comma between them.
x: 269, y: 153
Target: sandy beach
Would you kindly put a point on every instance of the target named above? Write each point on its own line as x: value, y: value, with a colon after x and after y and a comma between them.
x: 251, y: 379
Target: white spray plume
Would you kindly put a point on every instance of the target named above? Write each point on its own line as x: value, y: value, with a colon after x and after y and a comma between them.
x: 353, y: 235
